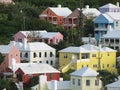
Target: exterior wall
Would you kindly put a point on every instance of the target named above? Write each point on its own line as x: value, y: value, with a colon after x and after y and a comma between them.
x: 117, y: 25
x: 107, y: 61
x: 115, y: 44
x: 14, y: 53
x: 113, y: 88
x: 83, y: 83
x: 18, y: 36
x: 50, y: 15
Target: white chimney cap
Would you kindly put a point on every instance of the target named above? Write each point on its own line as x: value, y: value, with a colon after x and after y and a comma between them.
x: 59, y: 6
x: 87, y: 6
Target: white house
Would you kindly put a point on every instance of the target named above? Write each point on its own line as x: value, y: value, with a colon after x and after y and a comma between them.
x: 37, y: 52
x: 83, y: 79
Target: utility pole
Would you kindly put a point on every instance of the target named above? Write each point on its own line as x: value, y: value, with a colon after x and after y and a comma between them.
x: 23, y: 16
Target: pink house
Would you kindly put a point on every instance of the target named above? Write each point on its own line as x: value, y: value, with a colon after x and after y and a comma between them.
x: 41, y: 36
x: 8, y: 51
x: 6, y: 1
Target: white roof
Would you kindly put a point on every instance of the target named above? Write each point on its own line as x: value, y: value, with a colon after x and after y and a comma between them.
x: 112, y: 34
x: 26, y: 33
x: 48, y: 34
x: 74, y: 49
x: 5, y: 49
x: 35, y: 46
x: 85, y: 71
x: 114, y: 84
x: 113, y: 15
x: 107, y: 17
x: 109, y: 5
x: 90, y: 11
x: 86, y: 48
x: 35, y: 68
x: 60, y: 85
x: 61, y: 11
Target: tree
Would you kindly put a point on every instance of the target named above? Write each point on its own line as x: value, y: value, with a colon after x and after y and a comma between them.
x: 107, y: 77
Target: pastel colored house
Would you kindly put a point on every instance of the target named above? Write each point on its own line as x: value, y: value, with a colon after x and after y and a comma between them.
x: 111, y: 39
x: 89, y: 40
x: 114, y: 86
x: 37, y: 52
x: 8, y: 51
x: 71, y: 21
x: 55, y: 15
x: 6, y: 1
x: 41, y: 36
x: 83, y: 79
x: 110, y: 8
x: 26, y: 71
x: 97, y: 58
x: 104, y: 21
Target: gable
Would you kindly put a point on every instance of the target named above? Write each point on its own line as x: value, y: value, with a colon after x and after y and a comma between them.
x: 48, y: 11
x: 103, y: 19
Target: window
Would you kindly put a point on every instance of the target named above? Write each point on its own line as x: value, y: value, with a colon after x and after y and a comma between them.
x: 34, y: 55
x: 34, y: 61
x: 78, y: 82
x: 50, y: 75
x: 96, y: 25
x: 87, y: 82
x: 51, y: 62
x: 20, y: 54
x: 94, y: 65
x: 39, y: 54
x: 40, y: 61
x: 26, y: 55
x: 29, y: 75
x: 93, y: 55
x: 103, y: 65
x: 113, y: 65
x: 96, y: 82
x: 82, y: 65
x: 47, y: 62
x: 116, y: 23
x: 19, y: 40
x: 85, y: 55
x: 108, y: 54
x: 73, y: 81
x: 51, y: 54
x: 107, y: 65
x: 87, y: 65
x: 45, y: 54
x: 65, y: 55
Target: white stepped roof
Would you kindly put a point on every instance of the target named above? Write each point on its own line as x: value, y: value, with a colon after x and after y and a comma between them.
x: 85, y: 71
x: 48, y: 34
x: 90, y: 11
x: 109, y: 5
x: 112, y: 34
x: 87, y: 48
x: 61, y: 85
x: 35, y: 46
x: 108, y: 17
x: 61, y: 11
x: 113, y: 15
x: 35, y: 68
x: 74, y: 49
x: 114, y: 84
x: 5, y: 49
x: 26, y: 33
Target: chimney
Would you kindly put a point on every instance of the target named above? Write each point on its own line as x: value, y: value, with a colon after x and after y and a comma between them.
x: 109, y: 28
x: 54, y: 85
x: 117, y: 4
x: 12, y: 43
x: 42, y: 79
x: 87, y: 6
x: 24, y: 43
x: 59, y: 6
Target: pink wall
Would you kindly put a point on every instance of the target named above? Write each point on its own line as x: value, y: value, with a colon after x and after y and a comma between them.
x: 14, y: 52
x: 19, y: 35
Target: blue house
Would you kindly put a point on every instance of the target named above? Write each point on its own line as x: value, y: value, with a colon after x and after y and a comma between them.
x: 101, y: 24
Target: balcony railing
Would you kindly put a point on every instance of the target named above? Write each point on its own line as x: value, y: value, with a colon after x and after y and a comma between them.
x: 100, y: 29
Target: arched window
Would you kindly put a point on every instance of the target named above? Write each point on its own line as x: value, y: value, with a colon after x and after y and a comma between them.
x: 45, y: 54
x: 51, y: 62
x: 26, y: 55
x: 47, y: 62
x: 34, y: 55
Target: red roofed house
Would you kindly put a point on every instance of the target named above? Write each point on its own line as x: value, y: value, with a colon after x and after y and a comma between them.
x: 55, y: 15
x: 29, y: 70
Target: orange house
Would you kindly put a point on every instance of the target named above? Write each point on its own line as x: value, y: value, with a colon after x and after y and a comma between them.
x: 55, y: 15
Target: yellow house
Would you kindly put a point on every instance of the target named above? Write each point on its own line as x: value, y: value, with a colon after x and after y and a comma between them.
x: 95, y: 57
x: 85, y: 79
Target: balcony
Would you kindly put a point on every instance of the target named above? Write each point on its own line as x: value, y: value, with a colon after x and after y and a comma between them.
x: 100, y: 29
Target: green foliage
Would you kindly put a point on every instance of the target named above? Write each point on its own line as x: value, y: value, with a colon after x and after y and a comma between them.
x: 107, y: 77
x: 66, y: 75
x: 1, y: 58
x: 8, y: 84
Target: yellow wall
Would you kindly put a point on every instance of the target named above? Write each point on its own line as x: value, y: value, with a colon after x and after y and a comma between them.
x: 107, y: 61
x: 83, y: 83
